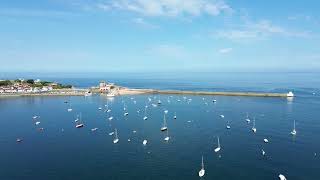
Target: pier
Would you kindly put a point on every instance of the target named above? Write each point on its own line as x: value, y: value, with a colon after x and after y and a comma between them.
x: 209, y: 93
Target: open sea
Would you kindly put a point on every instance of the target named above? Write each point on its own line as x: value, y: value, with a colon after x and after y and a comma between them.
x: 56, y: 150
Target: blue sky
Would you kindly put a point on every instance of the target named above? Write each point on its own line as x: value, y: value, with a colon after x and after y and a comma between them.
x: 159, y: 35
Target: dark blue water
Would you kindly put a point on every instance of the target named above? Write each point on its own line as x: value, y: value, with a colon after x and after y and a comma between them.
x: 63, y: 152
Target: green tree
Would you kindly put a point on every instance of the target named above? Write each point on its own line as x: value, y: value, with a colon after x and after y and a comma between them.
x: 30, y: 81
x: 5, y: 83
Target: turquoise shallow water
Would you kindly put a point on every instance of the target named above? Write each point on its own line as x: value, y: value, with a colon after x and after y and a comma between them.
x: 82, y: 154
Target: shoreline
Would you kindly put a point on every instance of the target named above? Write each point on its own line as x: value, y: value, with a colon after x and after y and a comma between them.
x: 120, y: 91
x: 128, y: 91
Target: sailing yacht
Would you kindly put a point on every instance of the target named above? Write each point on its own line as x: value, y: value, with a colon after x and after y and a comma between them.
x: 247, y: 119
x: 219, y: 147
x: 145, y: 113
x: 294, y: 132
x: 79, y: 123
x: 254, y: 129
x: 167, y: 138
x: 116, y: 139
x: 228, y: 125
x: 164, y: 127
x: 282, y: 177
x: 144, y: 142
x: 202, y: 171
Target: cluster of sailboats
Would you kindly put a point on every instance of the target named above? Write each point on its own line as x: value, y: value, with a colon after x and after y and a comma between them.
x: 164, y: 128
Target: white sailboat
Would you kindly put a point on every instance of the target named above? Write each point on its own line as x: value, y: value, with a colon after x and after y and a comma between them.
x: 69, y: 109
x: 254, y: 129
x: 116, y: 139
x: 144, y: 142
x: 79, y: 123
x: 145, y: 113
x: 282, y: 177
x: 175, y: 115
x: 219, y: 147
x: 294, y: 132
x: 167, y: 138
x: 125, y: 109
x: 202, y: 171
x: 248, y: 119
x: 228, y: 125
x: 164, y: 127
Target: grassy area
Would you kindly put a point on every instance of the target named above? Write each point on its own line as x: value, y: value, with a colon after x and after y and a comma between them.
x: 32, y: 83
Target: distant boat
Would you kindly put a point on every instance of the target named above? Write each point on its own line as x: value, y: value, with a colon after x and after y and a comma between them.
x: 282, y: 177
x: 88, y: 93
x: 159, y: 101
x: 126, y: 114
x: 167, y: 138
x: 294, y: 132
x: 116, y: 139
x: 290, y: 94
x: 214, y: 101
x: 37, y: 123
x: 175, y: 115
x: 110, y: 118
x: 202, y: 171
x: 164, y: 127
x: 254, y: 129
x: 94, y: 129
x: 69, y: 109
x: 35, y: 117
x: 144, y: 142
x: 79, y: 123
x: 219, y: 147
x: 145, y: 113
x: 111, y: 133
x: 263, y: 152
x: 228, y: 125
x: 222, y: 116
x: 110, y: 95
x: 248, y: 119
x: 19, y: 140
x: 100, y: 108
x: 265, y: 140
x: 166, y: 111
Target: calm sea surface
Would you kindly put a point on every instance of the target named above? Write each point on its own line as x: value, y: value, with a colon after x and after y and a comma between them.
x: 62, y: 152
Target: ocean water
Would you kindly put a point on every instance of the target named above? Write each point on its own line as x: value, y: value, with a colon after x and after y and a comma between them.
x: 64, y: 152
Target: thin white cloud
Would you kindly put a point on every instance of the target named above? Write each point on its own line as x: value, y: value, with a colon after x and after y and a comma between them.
x: 225, y: 50
x: 104, y: 7
x: 171, y: 8
x: 143, y: 23
x: 256, y: 31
